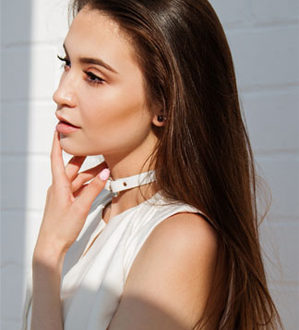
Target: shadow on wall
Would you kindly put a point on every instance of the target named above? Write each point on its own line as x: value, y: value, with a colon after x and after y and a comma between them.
x: 16, y: 19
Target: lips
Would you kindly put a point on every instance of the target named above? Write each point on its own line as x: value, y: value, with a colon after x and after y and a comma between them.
x: 64, y: 121
x: 67, y: 123
x: 65, y: 129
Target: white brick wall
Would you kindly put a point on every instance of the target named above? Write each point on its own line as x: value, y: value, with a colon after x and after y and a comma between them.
x: 263, y: 35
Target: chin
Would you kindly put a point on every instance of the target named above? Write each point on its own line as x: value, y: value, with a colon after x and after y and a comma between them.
x: 71, y: 147
x: 76, y: 149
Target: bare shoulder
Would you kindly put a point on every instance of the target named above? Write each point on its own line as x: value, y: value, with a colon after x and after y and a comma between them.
x: 185, y: 235
x: 171, y: 277
x: 186, y: 230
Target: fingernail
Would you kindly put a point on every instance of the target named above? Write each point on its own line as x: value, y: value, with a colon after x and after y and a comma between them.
x: 104, y: 174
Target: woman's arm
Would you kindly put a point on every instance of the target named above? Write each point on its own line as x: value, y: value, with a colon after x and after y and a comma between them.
x: 171, y: 277
x: 67, y: 205
x: 46, y: 303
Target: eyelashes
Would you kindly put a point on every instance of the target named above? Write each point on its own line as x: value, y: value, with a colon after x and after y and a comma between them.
x: 92, y: 78
x: 65, y: 60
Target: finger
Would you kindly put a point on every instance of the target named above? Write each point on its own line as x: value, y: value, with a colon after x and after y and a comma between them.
x: 57, y: 164
x: 84, y: 201
x: 73, y: 166
x: 87, y: 175
x: 79, y: 191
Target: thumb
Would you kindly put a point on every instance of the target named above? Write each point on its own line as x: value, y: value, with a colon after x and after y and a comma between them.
x: 90, y: 192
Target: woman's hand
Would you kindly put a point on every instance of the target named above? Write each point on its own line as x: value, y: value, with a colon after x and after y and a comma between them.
x: 68, y: 202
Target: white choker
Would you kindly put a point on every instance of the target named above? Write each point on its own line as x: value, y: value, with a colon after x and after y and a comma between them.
x: 129, y: 182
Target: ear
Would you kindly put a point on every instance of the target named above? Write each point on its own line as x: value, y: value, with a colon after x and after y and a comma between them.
x: 159, y: 120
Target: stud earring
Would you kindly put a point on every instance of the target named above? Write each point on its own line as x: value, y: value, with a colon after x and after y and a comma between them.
x: 160, y: 118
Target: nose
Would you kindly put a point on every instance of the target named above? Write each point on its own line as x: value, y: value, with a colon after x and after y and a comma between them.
x: 65, y: 94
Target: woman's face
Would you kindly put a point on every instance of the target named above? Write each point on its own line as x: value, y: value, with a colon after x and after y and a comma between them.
x: 108, y: 105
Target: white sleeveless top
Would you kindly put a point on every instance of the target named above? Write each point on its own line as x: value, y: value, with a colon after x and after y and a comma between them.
x: 92, y: 284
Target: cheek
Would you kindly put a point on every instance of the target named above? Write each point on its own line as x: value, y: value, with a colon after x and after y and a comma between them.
x: 119, y: 128
x: 114, y: 109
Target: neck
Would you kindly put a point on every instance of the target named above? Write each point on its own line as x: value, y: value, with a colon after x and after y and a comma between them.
x: 134, y: 161
x: 129, y: 198
x: 125, y: 167
x: 133, y: 194
x: 129, y: 164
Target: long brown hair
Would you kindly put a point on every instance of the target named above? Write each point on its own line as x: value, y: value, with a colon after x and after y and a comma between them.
x: 203, y: 156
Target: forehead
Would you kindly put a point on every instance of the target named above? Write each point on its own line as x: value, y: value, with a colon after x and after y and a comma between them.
x: 92, y: 33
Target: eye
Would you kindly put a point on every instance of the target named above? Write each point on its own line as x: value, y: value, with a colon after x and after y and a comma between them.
x: 93, y: 79
x: 66, y: 61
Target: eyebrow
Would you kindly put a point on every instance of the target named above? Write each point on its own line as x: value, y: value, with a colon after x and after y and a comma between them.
x: 89, y: 60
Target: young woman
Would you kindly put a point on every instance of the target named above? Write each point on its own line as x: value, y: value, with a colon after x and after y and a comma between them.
x: 164, y: 233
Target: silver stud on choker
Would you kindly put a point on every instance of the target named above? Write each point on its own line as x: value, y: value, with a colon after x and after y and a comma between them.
x: 129, y: 182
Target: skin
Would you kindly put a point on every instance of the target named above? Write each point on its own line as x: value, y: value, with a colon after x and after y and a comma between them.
x: 114, y: 121
x: 171, y: 277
